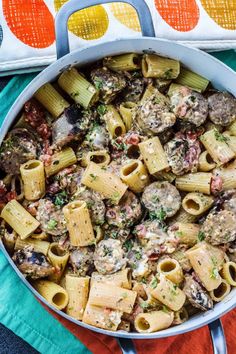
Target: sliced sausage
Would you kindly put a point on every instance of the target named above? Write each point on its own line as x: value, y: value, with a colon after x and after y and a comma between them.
x: 33, y: 264
x: 162, y: 197
x: 222, y: 108
x: 51, y: 218
x: 189, y: 105
x: 126, y: 213
x: 108, y: 83
x: 220, y: 227
x: 116, y: 233
x: 81, y: 260
x: 197, y: 296
x: 109, y: 256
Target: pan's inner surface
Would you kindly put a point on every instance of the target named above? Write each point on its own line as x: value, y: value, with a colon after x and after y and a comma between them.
x: 165, y: 49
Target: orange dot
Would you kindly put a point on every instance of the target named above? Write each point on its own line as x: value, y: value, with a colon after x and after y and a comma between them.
x: 223, y: 12
x: 126, y: 14
x: 182, y: 15
x: 30, y: 21
x: 91, y: 23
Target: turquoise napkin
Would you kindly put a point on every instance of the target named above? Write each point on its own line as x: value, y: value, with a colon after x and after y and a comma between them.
x: 19, y: 310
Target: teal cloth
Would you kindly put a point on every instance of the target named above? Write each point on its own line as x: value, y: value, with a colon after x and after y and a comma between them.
x: 19, y: 310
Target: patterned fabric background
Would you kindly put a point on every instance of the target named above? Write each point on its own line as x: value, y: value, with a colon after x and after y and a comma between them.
x: 27, y: 37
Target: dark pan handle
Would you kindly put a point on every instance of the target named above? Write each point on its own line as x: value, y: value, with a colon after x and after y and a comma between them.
x: 62, y: 40
x: 217, y: 337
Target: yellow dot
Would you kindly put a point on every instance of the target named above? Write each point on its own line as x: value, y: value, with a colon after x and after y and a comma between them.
x: 223, y: 12
x: 126, y: 14
x: 91, y: 23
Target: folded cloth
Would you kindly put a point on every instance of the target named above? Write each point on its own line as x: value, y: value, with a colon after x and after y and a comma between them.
x: 29, y: 27
x: 50, y: 333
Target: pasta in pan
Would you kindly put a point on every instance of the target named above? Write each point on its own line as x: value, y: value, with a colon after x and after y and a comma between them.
x: 118, y: 193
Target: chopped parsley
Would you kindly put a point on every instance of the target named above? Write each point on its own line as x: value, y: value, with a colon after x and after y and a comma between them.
x: 168, y: 74
x: 138, y: 255
x: 144, y: 305
x: 98, y: 84
x: 115, y: 197
x: 214, y: 273
x: 165, y: 309
x: 160, y: 216
x: 201, y: 236
x: 124, y: 295
x: 220, y: 137
x: 179, y: 233
x: 107, y: 251
x: 93, y: 177
x: 153, y: 283
x: 155, y: 198
x: 52, y: 224
x: 61, y: 199
x: 101, y: 109
x: 128, y: 244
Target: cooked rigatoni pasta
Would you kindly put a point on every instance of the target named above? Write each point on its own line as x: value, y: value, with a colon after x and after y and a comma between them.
x: 228, y: 273
x: 169, y: 294
x: 55, y: 294
x: 114, y: 122
x: 81, y: 90
x: 195, y: 182
x: 171, y: 269
x: 100, y: 157
x: 127, y: 113
x: 221, y: 291
x: 121, y: 278
x: 114, y: 297
x: 22, y: 222
x: 216, y: 145
x: 156, y: 66
x: 186, y: 233
x: 197, y: 203
x: 60, y: 160
x: 79, y: 223
x: 118, y: 192
x: 38, y: 245
x: 51, y: 99
x: 205, y: 266
x: 205, y: 162
x: 59, y: 258
x: 135, y: 175
x: 102, y: 317
x: 100, y: 180
x: 124, y: 62
x: 153, y: 155
x: 33, y: 177
x: 153, y: 321
x: 78, y: 290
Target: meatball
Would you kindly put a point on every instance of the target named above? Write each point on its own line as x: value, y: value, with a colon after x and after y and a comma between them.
x: 72, y: 125
x: 189, y: 105
x: 126, y: 213
x: 222, y: 108
x: 108, y: 83
x: 183, y: 153
x: 196, y: 295
x: 81, y: 260
x: 109, y: 256
x: 220, y: 227
x: 18, y: 148
x: 97, y: 137
x: 154, y: 115
x: 51, y: 218
x: 162, y: 196
x: 32, y: 264
x: 94, y: 204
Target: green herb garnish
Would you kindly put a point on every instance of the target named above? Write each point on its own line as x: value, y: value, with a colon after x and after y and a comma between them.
x: 220, y: 137
x: 201, y: 236
x: 153, y: 283
x: 52, y: 224
x: 101, y: 109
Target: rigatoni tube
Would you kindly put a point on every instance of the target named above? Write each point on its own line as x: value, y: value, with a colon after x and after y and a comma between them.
x: 100, y: 157
x: 205, y: 162
x: 58, y: 258
x: 104, y: 182
x: 171, y: 269
x: 197, y: 203
x: 186, y: 233
x: 124, y: 62
x: 22, y: 222
x: 195, y: 182
x: 121, y: 278
x: 153, y: 321
x: 228, y: 273
x: 160, y: 67
x: 114, y: 297
x: 55, y: 294
x: 79, y: 224
x: 77, y: 289
x: 60, y: 160
x: 135, y: 175
x: 38, y: 245
x: 50, y: 98
x: 102, y: 317
x: 127, y: 113
x: 153, y: 155
x: 114, y: 123
x: 216, y: 145
x: 33, y: 177
x: 193, y: 80
x: 221, y: 291
x: 81, y: 90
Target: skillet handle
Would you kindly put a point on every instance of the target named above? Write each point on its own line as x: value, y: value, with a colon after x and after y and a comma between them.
x: 62, y: 40
x: 217, y: 337
x: 126, y: 346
